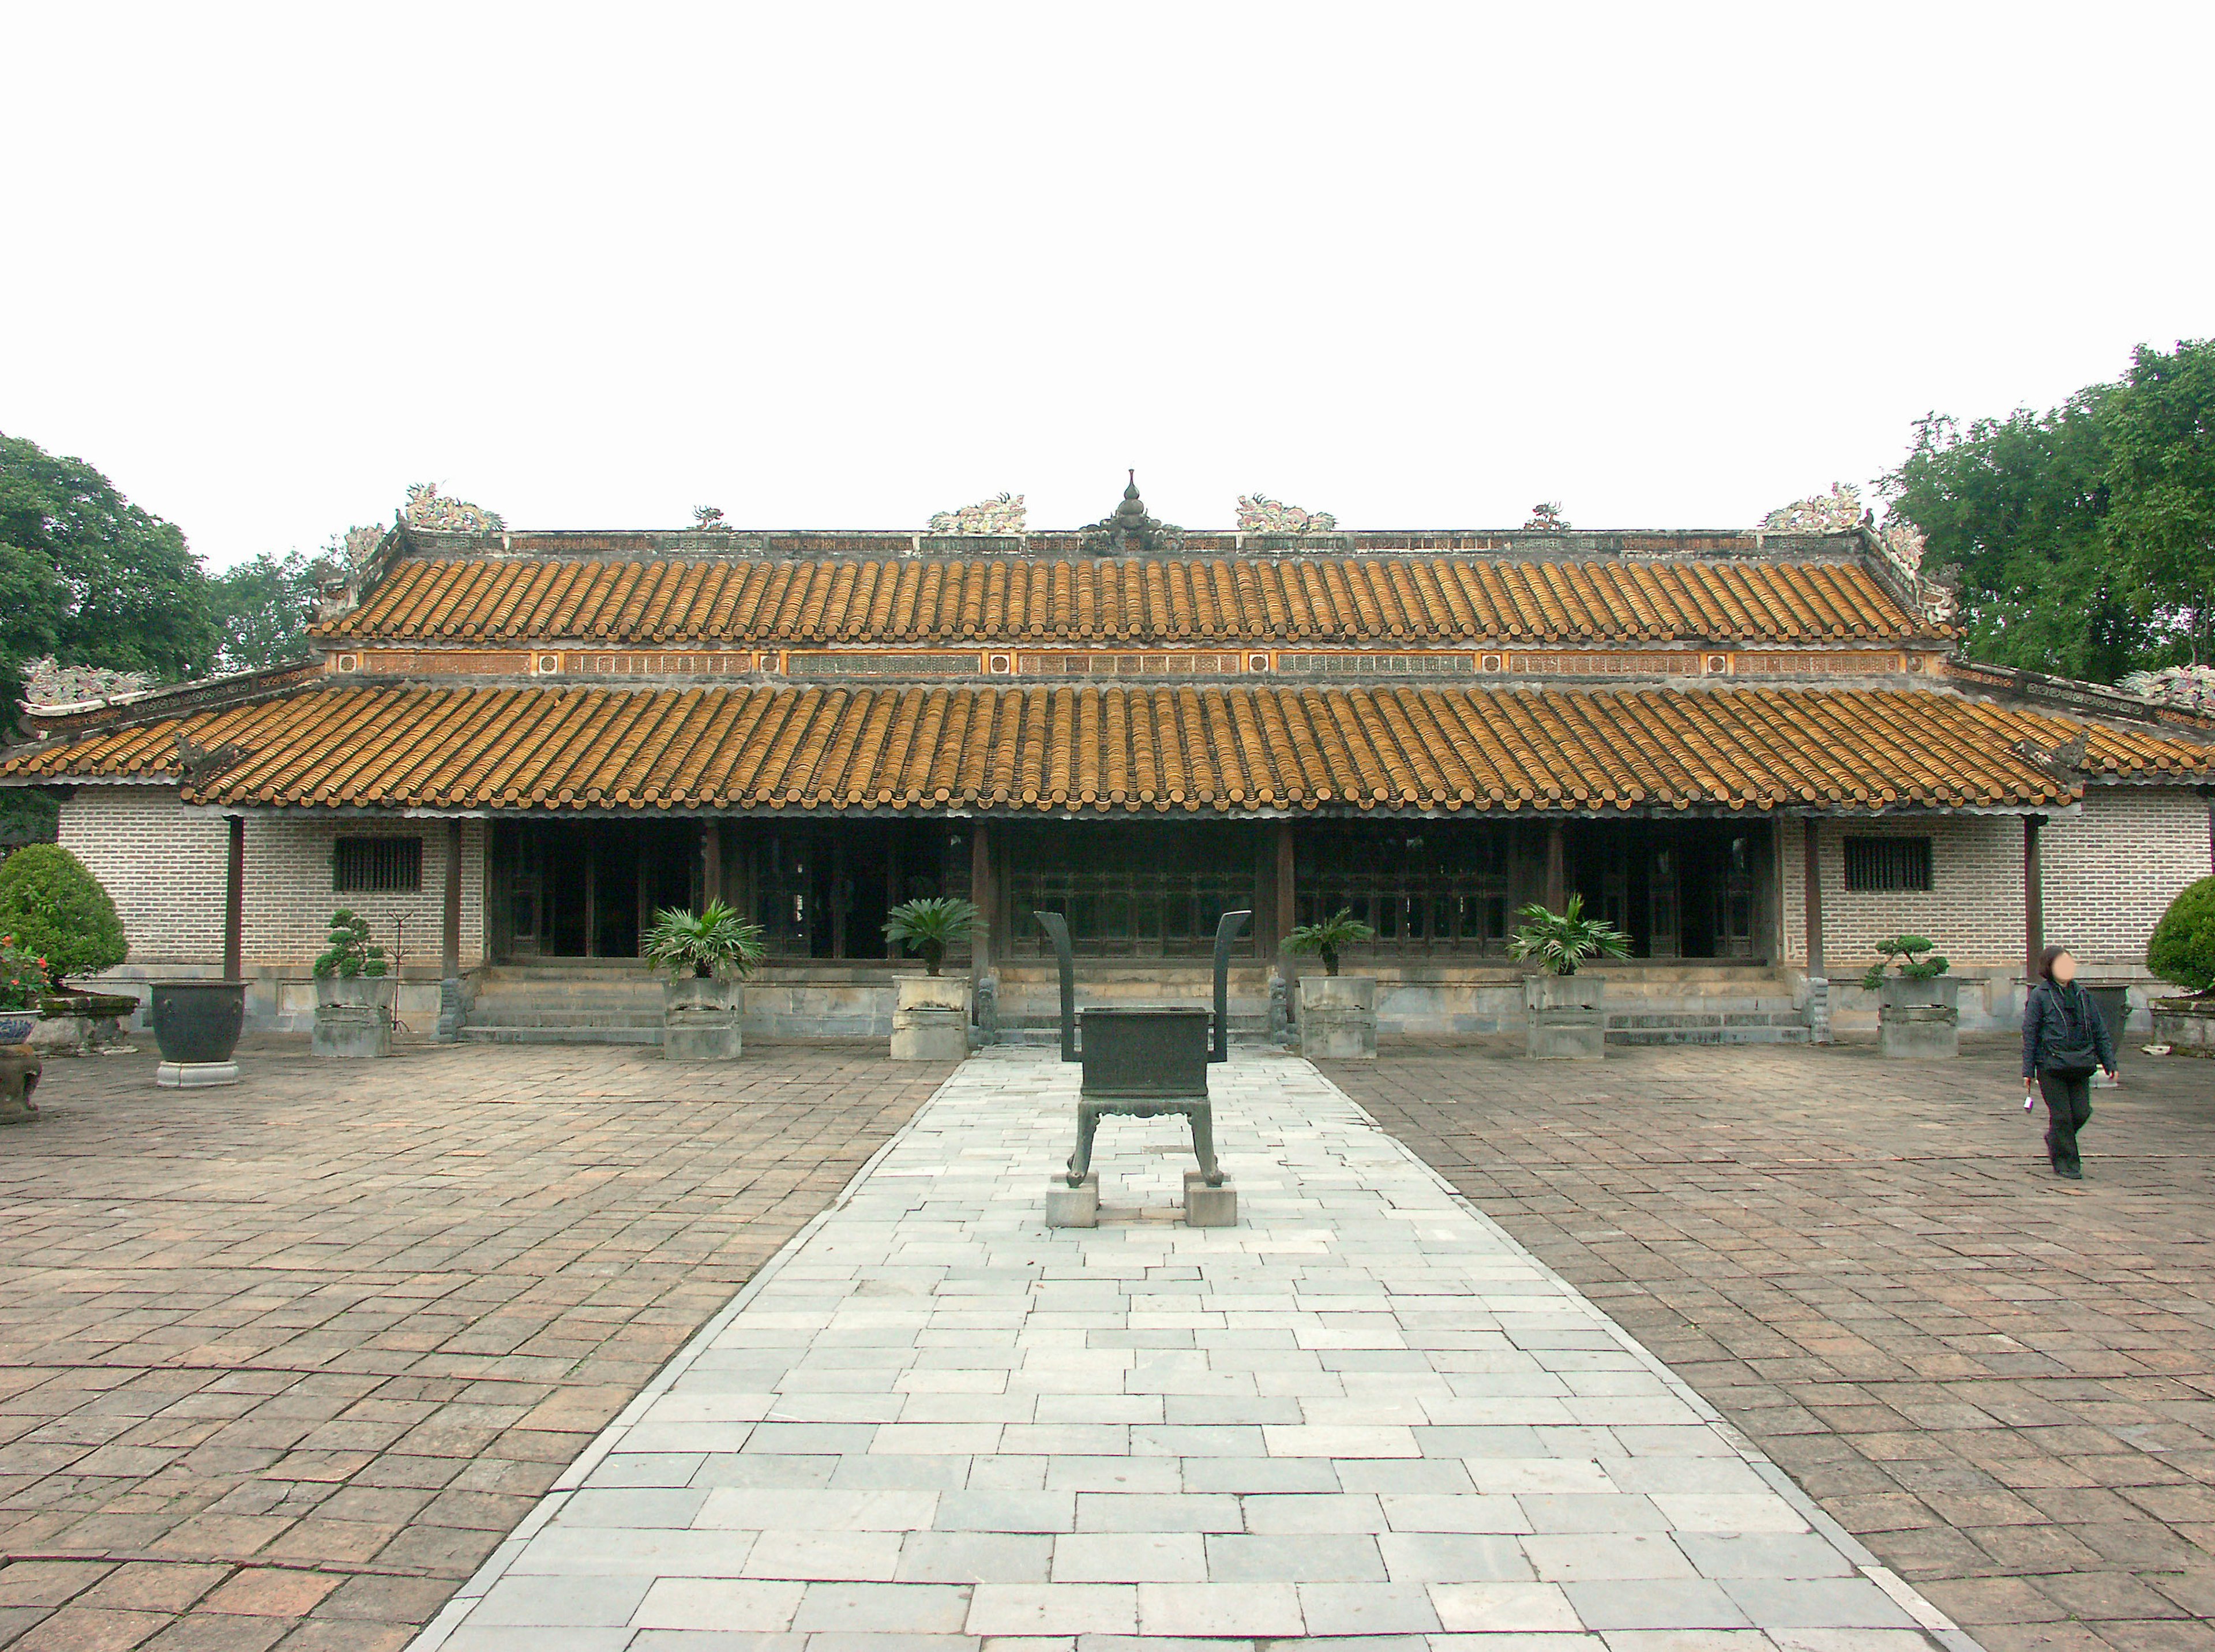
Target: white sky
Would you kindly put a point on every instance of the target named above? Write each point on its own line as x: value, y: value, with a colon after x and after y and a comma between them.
x: 843, y: 265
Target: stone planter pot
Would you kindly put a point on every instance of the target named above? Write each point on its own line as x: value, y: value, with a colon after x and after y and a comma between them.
x: 1919, y: 1021
x: 1338, y: 1018
x: 2114, y: 1003
x: 1565, y: 1017
x: 2186, y: 1025
x: 196, y: 1025
x: 930, y: 1017
x: 701, y: 1017
x: 353, y: 1015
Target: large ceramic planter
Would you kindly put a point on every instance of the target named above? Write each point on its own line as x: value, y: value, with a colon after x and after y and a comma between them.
x: 1919, y: 1020
x: 930, y: 1017
x: 353, y: 1015
x: 700, y: 1018
x: 196, y: 1025
x: 1338, y: 1018
x: 1565, y: 1017
x: 2186, y: 1025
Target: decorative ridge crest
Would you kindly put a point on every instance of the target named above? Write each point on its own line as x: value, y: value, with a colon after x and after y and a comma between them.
x: 1127, y: 527
x: 1004, y: 514
x: 1259, y: 513
x: 428, y: 508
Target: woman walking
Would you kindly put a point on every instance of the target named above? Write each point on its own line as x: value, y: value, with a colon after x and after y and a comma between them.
x: 2064, y: 1038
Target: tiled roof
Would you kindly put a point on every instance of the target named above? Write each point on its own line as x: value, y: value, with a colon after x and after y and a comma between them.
x: 1105, y: 748
x: 1314, y: 598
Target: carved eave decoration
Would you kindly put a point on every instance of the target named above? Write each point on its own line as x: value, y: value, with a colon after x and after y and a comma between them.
x: 1127, y: 531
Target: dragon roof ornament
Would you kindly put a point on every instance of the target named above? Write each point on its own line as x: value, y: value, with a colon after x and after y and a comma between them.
x: 429, y: 508
x: 1259, y: 513
x: 1003, y: 513
x: 2186, y: 688
x: 1840, y: 510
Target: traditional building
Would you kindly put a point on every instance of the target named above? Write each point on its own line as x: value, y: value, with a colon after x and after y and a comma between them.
x: 1753, y: 752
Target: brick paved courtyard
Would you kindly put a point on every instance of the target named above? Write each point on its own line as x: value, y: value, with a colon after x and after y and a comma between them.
x: 2003, y: 1385
x: 279, y: 1365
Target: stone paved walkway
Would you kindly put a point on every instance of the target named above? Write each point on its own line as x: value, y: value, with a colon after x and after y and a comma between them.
x: 2004, y: 1384
x: 934, y: 1422
x: 281, y: 1364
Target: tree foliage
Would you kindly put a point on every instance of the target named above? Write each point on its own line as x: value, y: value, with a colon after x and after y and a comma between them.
x: 56, y: 909
x: 261, y: 610
x: 2083, y: 534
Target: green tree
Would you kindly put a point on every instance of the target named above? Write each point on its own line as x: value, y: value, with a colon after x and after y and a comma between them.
x: 261, y: 609
x: 90, y: 577
x: 2160, y: 426
x: 2085, y: 536
x: 55, y: 908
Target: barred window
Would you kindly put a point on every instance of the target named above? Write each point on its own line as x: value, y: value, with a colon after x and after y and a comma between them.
x: 1887, y: 863
x: 375, y: 863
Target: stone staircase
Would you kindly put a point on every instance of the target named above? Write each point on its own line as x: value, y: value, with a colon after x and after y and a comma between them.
x: 577, y: 1001
x: 1710, y: 1003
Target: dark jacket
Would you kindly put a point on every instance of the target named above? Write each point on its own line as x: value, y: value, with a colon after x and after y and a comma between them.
x: 2055, y: 1016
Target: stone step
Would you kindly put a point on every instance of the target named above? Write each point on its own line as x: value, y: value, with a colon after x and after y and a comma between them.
x: 478, y: 1033
x: 1706, y: 1034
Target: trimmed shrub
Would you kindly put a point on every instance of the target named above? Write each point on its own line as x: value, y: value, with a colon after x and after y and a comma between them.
x: 2183, y: 949
x: 57, y: 910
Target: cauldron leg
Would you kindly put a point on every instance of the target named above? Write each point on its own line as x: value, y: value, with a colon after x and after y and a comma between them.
x: 1088, y: 1126
x: 1203, y: 1144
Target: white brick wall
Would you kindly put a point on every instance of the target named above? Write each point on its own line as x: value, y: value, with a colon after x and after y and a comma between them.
x: 2111, y: 873
x: 2108, y: 874
x: 165, y: 864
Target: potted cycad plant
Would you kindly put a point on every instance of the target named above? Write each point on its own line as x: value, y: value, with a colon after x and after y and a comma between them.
x: 1338, y: 1013
x: 353, y: 992
x: 1917, y: 1013
x: 1565, y: 1011
x: 930, y: 1011
x: 709, y: 954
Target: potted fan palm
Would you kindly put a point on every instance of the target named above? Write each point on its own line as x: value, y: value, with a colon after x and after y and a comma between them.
x: 930, y: 1011
x: 1338, y: 1013
x: 1565, y: 1013
x: 354, y: 987
x: 709, y: 954
x: 1917, y: 1013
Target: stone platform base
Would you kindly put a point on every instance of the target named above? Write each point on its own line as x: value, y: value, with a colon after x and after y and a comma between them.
x: 1078, y: 1206
x: 195, y: 1075
x: 1207, y: 1206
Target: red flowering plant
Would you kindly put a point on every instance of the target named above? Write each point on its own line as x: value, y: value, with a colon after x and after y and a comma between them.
x: 22, y: 975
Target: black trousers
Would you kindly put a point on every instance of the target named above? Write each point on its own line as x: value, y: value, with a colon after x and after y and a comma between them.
x: 2069, y: 1107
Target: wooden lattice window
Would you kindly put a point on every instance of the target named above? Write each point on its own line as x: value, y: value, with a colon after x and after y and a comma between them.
x: 369, y: 865
x: 1422, y: 888
x: 1886, y: 864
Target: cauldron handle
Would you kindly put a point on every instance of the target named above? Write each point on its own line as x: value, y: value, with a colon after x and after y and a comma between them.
x: 1057, y: 926
x: 1225, y: 932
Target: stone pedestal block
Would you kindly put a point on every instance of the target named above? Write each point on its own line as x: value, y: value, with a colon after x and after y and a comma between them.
x: 2186, y: 1025
x: 19, y: 1077
x: 1338, y: 1018
x: 1918, y: 1020
x: 1565, y: 1017
x: 195, y: 1075
x: 353, y: 1016
x: 931, y: 1018
x: 1207, y: 1206
x: 1078, y: 1206
x: 700, y: 1019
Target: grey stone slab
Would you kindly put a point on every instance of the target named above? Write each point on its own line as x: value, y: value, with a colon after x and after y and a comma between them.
x: 894, y: 1608
x: 900, y: 1472
x: 1099, y: 1511
x: 1590, y: 1557
x: 975, y: 1557
x: 809, y: 1439
x: 1235, y: 1558
x: 1366, y: 1609
x: 1144, y: 1556
x: 1260, y: 1474
x: 1816, y: 1603
x: 1655, y: 1603
x: 542, y: 1602
x: 1591, y: 1511
x: 621, y: 1470
x: 1732, y: 1555
x: 742, y: 1468
x: 637, y: 1507
x: 1006, y: 1511
x: 1452, y: 1557
x: 1341, y: 1512
x: 1114, y: 1474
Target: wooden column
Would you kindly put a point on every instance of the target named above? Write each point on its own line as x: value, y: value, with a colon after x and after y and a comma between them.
x: 711, y: 860
x: 450, y: 941
x: 1287, y: 909
x: 985, y: 893
x: 234, y: 903
x: 892, y: 885
x: 1557, y: 876
x: 1811, y: 839
x: 2034, y: 897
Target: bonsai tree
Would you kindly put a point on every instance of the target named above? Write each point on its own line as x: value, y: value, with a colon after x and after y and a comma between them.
x: 57, y: 913
x: 715, y: 941
x: 2183, y: 949
x: 350, y: 953
x: 1330, y: 938
x: 1912, y: 953
x: 1563, y: 940
x: 929, y: 926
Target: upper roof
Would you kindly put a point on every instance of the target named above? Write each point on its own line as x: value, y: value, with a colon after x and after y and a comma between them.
x: 1310, y: 597
x: 1102, y: 750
